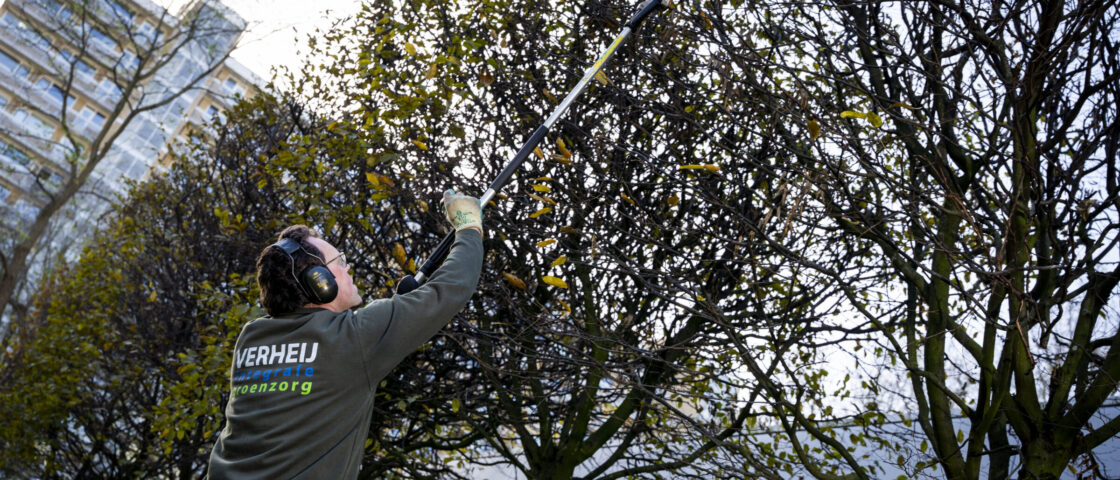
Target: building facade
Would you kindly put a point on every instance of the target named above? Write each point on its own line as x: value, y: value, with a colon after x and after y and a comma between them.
x: 93, y: 93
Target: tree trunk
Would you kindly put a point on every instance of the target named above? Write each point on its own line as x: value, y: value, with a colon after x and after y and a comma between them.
x: 15, y: 271
x: 1044, y: 458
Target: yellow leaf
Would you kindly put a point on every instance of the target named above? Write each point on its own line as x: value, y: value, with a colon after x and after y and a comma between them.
x: 559, y: 261
x: 372, y: 177
x: 545, y: 243
x: 563, y: 148
x: 875, y: 120
x: 556, y: 282
x: 542, y: 188
x: 540, y: 212
x: 420, y: 145
x: 569, y: 230
x: 153, y: 297
x: 410, y: 48
x: 708, y: 166
x: 851, y: 114
x: 602, y: 78
x: 399, y: 255
x: 561, y: 159
x: 673, y: 200
x: 514, y: 281
x: 411, y: 265
x: 486, y: 79
x: 903, y: 105
x: 544, y: 179
x: 539, y: 153
x: 628, y: 199
x: 814, y: 129
x: 432, y: 71
x: 548, y: 94
x: 564, y: 308
x: 542, y: 199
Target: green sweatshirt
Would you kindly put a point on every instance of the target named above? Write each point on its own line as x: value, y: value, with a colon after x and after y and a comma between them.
x: 302, y: 384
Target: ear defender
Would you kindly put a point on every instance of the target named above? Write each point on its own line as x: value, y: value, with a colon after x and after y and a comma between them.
x: 316, y: 281
x: 319, y: 282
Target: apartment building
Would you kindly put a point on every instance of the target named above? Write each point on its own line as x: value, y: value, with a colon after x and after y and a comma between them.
x: 93, y: 93
x: 65, y: 66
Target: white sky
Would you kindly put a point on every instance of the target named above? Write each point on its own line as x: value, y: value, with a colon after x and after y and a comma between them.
x: 277, y: 27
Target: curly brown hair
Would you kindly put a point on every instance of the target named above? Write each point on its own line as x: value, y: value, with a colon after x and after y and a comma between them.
x: 281, y: 293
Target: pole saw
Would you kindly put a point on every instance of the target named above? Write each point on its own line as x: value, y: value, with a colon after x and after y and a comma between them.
x: 410, y: 282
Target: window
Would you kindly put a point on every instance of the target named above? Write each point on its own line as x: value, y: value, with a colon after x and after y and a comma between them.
x: 36, y: 126
x: 147, y: 131
x: 148, y: 32
x: 123, y: 14
x: 11, y: 154
x: 3, y: 101
x: 233, y: 87
x: 25, y: 209
x: 81, y: 67
x: 108, y: 90
x: 50, y: 177
x: 100, y: 37
x: 24, y: 31
x: 129, y: 61
x: 88, y: 117
x: 212, y: 111
x: 53, y: 91
x: 10, y: 64
x: 179, y: 107
x: 54, y: 8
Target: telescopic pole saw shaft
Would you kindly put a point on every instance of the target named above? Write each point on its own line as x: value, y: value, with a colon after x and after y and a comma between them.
x: 410, y: 282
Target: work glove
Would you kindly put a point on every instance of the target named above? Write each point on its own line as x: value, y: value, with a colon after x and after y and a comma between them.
x: 463, y: 211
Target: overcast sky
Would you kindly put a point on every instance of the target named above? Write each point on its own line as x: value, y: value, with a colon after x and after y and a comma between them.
x: 277, y: 27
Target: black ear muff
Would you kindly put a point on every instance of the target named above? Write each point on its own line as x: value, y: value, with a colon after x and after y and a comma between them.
x: 319, y: 283
x: 316, y: 281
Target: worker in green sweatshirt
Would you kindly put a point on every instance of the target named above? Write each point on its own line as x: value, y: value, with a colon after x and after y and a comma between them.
x: 304, y: 376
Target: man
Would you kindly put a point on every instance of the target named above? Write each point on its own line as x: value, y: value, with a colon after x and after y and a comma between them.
x: 304, y: 377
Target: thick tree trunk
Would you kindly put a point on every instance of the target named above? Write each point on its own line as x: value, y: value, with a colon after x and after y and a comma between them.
x: 1044, y: 459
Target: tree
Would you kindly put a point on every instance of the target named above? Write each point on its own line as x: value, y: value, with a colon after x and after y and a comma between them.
x: 145, y: 62
x: 775, y: 240
x: 125, y: 373
x: 589, y: 350
x: 962, y: 156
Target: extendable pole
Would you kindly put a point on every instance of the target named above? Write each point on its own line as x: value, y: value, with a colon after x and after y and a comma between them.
x: 409, y: 283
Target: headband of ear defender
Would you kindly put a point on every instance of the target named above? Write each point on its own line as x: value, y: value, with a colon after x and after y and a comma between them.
x: 316, y: 281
